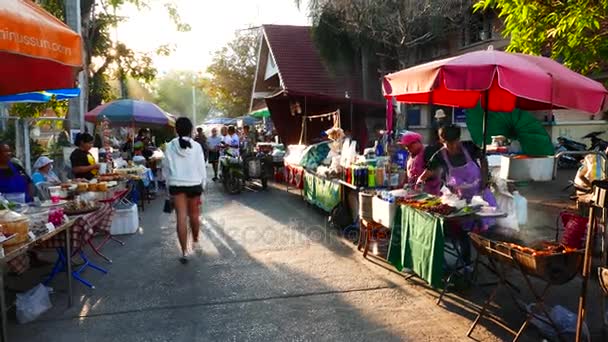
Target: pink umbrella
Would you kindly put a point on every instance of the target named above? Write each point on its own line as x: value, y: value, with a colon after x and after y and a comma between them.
x: 505, y: 80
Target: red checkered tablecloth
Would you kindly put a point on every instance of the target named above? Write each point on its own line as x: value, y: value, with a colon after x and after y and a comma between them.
x: 81, y: 232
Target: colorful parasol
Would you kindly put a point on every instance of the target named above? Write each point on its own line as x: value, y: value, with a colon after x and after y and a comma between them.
x: 128, y: 112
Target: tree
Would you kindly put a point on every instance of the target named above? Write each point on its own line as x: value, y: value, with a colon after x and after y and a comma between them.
x: 573, y: 32
x: 173, y: 93
x: 390, y: 28
x: 106, y: 60
x: 232, y: 71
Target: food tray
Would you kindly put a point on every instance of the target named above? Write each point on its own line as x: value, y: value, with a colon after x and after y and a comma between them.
x: 80, y: 212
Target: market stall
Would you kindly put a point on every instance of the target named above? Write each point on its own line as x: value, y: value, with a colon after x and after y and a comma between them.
x: 499, y: 82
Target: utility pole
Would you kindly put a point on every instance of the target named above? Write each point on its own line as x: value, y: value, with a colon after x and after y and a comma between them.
x: 193, y: 103
x: 76, y: 105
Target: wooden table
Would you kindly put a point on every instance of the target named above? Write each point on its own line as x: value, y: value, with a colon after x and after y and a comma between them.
x: 19, y: 250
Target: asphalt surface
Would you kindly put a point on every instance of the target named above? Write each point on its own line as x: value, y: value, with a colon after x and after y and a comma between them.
x: 266, y: 270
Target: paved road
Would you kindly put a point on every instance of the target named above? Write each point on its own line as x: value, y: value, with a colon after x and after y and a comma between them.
x: 265, y: 270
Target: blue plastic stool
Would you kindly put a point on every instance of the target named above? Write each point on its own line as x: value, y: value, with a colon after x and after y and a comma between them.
x: 61, y: 263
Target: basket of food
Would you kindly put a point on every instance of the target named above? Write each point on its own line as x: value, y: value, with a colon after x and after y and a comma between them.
x: 80, y: 207
x: 14, y: 223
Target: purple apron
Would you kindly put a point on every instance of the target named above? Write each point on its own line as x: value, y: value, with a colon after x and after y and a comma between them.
x: 466, y: 181
x: 15, y: 183
x: 415, y: 168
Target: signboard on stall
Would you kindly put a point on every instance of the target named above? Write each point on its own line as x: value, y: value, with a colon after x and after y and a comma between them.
x: 459, y: 116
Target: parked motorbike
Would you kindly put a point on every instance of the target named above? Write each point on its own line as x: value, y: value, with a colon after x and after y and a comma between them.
x: 569, y: 161
x: 573, y: 161
x: 232, y: 175
x: 258, y: 165
x: 597, y: 144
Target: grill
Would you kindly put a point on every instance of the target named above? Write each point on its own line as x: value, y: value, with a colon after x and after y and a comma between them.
x: 555, y: 268
x: 556, y: 265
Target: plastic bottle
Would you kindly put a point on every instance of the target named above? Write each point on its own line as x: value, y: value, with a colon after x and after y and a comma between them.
x: 521, y: 208
x: 371, y: 181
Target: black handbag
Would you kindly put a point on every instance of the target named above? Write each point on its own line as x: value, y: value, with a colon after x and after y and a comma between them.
x: 168, y: 206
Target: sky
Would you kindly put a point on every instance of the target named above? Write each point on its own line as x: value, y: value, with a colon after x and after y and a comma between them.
x: 213, y: 25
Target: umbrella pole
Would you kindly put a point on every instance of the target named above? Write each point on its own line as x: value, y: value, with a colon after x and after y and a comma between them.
x: 484, y: 145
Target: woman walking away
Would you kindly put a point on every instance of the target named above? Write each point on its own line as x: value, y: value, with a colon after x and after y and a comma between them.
x: 186, y: 174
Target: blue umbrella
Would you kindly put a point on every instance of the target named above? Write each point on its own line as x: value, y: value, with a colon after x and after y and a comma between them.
x: 219, y: 121
x: 42, y: 96
x: 247, y: 120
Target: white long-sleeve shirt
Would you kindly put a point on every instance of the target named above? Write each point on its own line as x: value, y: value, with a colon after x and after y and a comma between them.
x: 184, y: 166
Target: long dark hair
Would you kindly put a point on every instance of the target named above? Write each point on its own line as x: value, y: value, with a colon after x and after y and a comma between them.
x: 183, y: 128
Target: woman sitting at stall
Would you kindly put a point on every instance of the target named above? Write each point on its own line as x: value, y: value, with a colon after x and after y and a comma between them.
x: 44, y: 172
x: 417, y: 161
x: 13, y: 178
x: 83, y: 162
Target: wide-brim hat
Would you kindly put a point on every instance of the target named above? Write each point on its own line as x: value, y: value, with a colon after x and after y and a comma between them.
x: 42, y: 162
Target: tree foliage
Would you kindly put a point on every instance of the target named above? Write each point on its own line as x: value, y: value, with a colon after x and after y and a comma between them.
x: 574, y: 32
x: 390, y: 27
x: 106, y: 60
x: 232, y: 71
x: 173, y: 93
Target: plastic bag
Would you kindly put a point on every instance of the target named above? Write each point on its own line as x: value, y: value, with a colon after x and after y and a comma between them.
x: 521, y: 207
x: 32, y: 304
x: 506, y: 203
x: 564, y: 319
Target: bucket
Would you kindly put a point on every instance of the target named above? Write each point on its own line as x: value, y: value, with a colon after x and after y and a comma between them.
x: 365, y: 205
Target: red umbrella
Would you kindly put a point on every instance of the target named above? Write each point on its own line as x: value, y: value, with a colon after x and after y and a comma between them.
x: 37, y: 50
x: 506, y: 80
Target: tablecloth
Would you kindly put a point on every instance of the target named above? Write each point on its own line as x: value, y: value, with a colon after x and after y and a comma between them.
x: 82, y: 231
x: 294, y: 175
x: 321, y: 192
x: 417, y: 243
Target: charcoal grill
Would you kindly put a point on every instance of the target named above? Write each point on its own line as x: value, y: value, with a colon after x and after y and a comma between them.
x: 552, y: 269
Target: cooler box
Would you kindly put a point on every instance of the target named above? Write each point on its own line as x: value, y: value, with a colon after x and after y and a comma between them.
x: 524, y: 168
x: 383, y: 212
x: 125, y: 220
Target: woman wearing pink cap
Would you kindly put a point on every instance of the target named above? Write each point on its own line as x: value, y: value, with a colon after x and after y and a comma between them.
x: 416, y: 163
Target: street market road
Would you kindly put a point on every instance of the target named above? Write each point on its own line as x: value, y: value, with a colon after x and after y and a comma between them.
x: 265, y: 270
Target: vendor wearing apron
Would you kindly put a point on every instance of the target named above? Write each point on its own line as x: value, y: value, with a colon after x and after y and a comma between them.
x: 13, y: 178
x: 457, y: 163
x: 417, y: 161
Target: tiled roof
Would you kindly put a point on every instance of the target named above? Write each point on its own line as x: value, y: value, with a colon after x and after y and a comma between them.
x: 300, y: 65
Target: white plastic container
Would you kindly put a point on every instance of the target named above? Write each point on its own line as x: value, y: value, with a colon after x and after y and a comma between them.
x: 383, y: 212
x: 539, y: 169
x: 125, y: 221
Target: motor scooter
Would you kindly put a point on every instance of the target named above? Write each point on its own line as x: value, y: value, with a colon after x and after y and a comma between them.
x: 231, y: 175
x: 569, y: 161
x: 597, y: 144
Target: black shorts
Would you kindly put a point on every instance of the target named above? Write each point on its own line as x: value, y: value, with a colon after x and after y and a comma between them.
x: 214, y: 156
x: 190, y: 191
